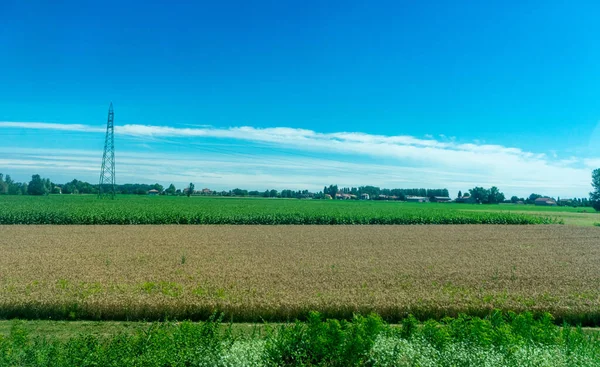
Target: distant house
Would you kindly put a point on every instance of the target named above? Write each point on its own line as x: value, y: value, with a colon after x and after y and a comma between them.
x: 417, y: 199
x: 153, y: 192
x: 328, y: 197
x: 441, y: 199
x: 206, y: 191
x: 343, y: 196
x: 466, y: 200
x: 382, y: 197
x: 364, y: 196
x: 545, y: 202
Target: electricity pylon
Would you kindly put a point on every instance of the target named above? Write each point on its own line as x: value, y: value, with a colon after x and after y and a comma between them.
x: 106, y: 188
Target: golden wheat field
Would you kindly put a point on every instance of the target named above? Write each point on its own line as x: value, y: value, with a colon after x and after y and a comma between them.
x: 279, y: 273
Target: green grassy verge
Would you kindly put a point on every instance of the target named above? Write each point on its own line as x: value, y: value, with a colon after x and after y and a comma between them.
x: 524, y: 208
x: 579, y: 219
x: 65, y: 330
x: 498, y: 340
x: 70, y: 209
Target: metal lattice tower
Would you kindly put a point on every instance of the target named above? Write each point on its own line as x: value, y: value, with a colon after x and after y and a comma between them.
x: 106, y: 188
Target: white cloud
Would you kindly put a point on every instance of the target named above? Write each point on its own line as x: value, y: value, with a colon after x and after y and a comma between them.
x: 50, y: 126
x: 404, y: 161
x: 593, y: 163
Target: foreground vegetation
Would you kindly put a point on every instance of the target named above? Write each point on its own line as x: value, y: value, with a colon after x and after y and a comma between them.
x: 279, y: 273
x: 70, y: 209
x: 498, y: 340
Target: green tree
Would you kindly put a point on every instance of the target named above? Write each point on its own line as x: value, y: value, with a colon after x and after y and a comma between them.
x: 48, y: 185
x: 3, y: 185
x: 459, y: 194
x: 37, y: 186
x: 24, y: 189
x: 190, y: 190
x: 158, y: 187
x: 495, y: 196
x: 514, y: 199
x: 12, y: 186
x: 480, y: 194
x: 239, y: 192
x: 595, y: 195
x: 171, y: 190
x: 332, y: 190
x: 531, y: 199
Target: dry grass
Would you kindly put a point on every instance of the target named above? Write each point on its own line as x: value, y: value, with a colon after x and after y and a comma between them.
x: 281, y: 272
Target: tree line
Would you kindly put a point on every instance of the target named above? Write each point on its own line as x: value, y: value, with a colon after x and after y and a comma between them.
x: 572, y: 202
x: 43, y: 186
x: 481, y: 195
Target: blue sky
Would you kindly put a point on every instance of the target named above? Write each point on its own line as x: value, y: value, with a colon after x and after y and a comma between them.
x: 302, y: 94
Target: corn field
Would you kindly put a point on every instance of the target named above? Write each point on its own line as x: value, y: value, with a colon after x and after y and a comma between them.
x: 129, y: 210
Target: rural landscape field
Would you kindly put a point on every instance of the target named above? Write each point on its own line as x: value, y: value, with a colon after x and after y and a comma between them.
x: 299, y: 183
x: 135, y: 260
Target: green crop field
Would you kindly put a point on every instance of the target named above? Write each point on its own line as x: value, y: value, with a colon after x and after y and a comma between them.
x: 71, y: 209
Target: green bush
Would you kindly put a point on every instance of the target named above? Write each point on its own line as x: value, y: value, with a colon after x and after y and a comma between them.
x: 319, y: 342
x: 498, y: 340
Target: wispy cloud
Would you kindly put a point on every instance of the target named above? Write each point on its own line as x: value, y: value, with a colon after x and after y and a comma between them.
x: 50, y: 126
x: 403, y: 161
x: 592, y: 163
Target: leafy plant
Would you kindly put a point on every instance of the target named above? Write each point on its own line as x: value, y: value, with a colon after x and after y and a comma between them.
x: 499, y: 340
